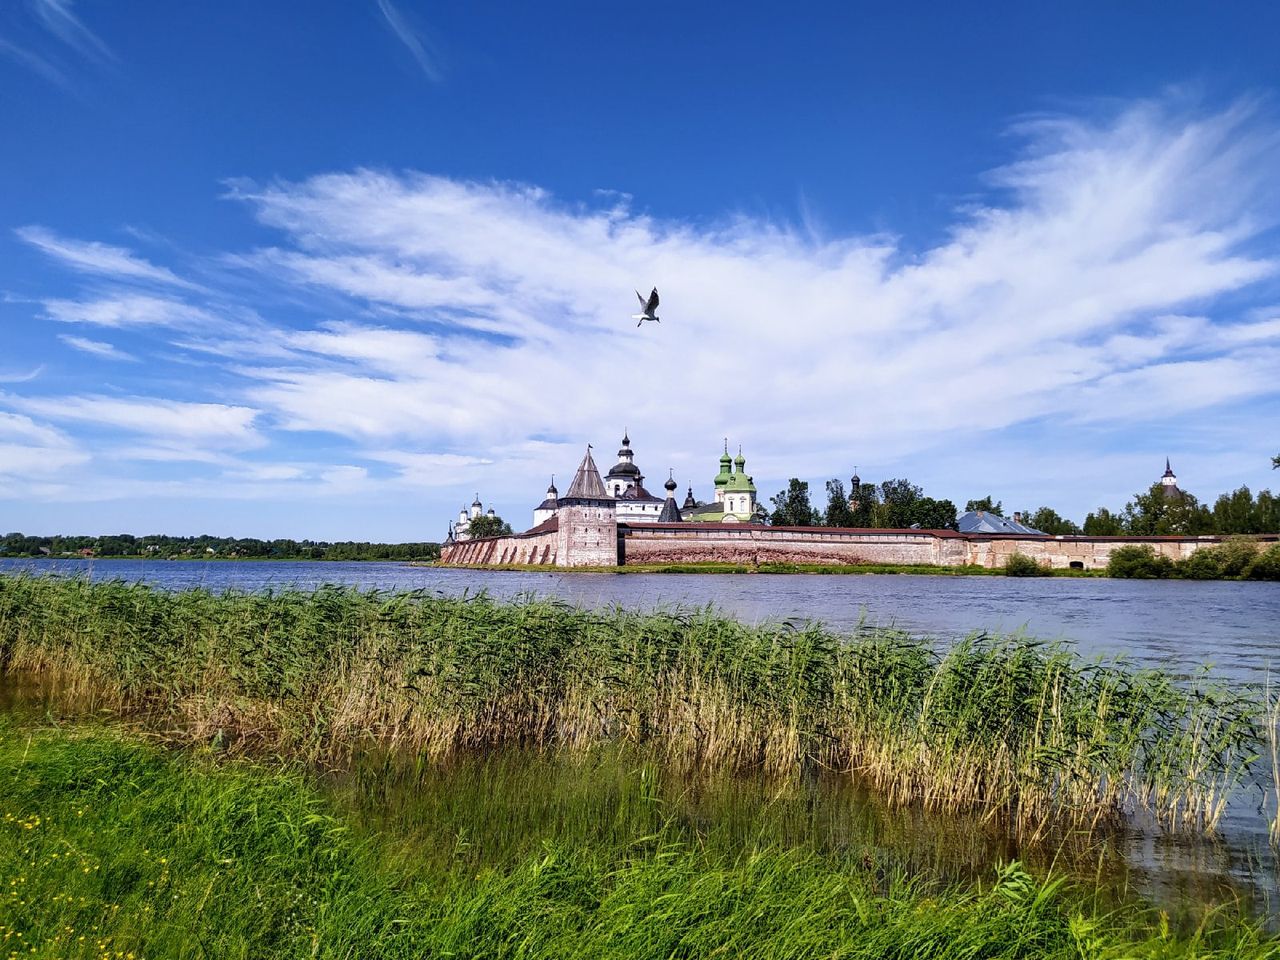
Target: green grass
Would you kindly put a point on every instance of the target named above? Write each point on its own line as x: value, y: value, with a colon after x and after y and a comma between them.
x: 109, y: 848
x: 1023, y: 731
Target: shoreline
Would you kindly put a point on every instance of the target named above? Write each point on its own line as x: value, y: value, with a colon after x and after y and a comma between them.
x: 884, y: 569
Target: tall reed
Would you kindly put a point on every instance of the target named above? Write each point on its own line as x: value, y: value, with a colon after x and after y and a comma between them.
x: 1024, y: 730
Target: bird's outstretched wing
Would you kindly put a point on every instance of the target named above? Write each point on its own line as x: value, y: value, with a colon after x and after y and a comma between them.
x: 640, y: 298
x: 652, y: 305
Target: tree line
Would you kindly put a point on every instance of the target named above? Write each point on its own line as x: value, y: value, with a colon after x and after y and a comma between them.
x: 163, y: 547
x: 893, y: 503
x: 1151, y: 512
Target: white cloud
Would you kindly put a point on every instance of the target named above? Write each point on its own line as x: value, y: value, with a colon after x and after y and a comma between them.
x: 1061, y: 301
x: 24, y: 377
x: 479, y: 333
x: 172, y: 420
x: 29, y: 450
x: 128, y: 310
x: 97, y: 348
x: 90, y: 256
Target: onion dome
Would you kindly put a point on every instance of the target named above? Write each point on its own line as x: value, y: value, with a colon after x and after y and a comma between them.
x: 726, y: 468
x: 670, y: 485
x: 476, y: 502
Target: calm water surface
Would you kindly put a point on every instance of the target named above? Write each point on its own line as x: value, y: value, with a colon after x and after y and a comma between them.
x: 1178, y: 625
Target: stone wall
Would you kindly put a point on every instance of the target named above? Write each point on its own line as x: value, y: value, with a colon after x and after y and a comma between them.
x: 587, y: 536
x: 1084, y: 553
x: 746, y: 543
x: 537, y: 548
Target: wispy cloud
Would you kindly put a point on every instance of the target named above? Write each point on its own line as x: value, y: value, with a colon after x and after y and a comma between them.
x: 97, y: 348
x: 427, y: 332
x: 29, y: 449
x: 24, y: 377
x: 159, y: 419
x: 99, y: 258
x: 59, y: 18
x: 129, y: 310
x: 414, y: 39
x: 1110, y: 227
x: 33, y: 62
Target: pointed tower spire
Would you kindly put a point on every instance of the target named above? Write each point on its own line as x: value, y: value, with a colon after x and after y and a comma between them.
x: 587, y: 484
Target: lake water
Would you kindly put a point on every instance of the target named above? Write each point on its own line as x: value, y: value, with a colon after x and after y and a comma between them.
x: 1178, y: 625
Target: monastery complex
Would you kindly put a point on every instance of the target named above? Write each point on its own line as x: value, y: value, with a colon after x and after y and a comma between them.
x: 615, y: 520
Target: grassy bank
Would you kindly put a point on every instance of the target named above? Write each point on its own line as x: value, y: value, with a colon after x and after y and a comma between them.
x: 110, y: 848
x: 1024, y: 731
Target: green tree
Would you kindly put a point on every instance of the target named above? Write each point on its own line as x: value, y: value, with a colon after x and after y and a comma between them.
x: 1267, y: 512
x: 1048, y: 521
x: 931, y: 514
x: 1103, y: 523
x: 897, y: 502
x: 838, y: 512
x: 986, y: 505
x: 1236, y: 512
x: 864, y: 505
x: 1152, y: 513
x: 791, y: 507
x: 487, y: 526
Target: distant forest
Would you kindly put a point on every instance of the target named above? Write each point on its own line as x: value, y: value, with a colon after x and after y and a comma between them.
x: 160, y: 547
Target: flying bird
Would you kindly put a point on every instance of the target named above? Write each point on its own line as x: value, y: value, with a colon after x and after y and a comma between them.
x: 648, y: 308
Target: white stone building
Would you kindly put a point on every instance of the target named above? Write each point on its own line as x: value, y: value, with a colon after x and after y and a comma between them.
x: 625, y: 483
x: 461, y: 529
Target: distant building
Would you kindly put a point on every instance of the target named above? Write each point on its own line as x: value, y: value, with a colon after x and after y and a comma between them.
x: 984, y: 521
x: 625, y: 483
x: 1169, y: 483
x: 734, y: 500
x: 670, y: 511
x: 586, y: 527
x: 461, y: 529
x: 547, y: 508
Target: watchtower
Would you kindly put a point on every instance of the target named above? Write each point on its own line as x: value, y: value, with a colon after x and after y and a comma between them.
x: 588, y: 521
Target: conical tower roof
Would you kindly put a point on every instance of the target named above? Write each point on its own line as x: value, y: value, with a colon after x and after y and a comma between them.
x: 587, y: 484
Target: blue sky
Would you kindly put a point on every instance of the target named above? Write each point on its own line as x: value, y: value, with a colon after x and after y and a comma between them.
x: 329, y: 269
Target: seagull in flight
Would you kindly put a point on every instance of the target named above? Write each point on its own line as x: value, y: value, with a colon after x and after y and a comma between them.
x: 648, y: 308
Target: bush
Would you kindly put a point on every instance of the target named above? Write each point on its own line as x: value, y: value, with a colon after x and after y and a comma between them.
x: 1237, y: 555
x: 1020, y: 565
x: 1266, y: 565
x: 1139, y: 562
x: 1228, y: 560
x: 1205, y: 564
